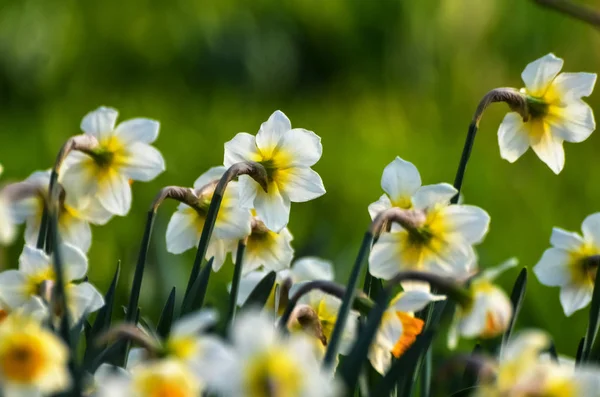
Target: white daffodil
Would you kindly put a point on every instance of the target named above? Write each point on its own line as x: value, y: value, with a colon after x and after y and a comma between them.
x: 158, y: 378
x: 443, y: 243
x: 489, y: 313
x: 557, y: 113
x: 33, y: 361
x: 73, y: 220
x: 187, y: 344
x: 266, y: 248
x: 570, y: 265
x: 400, y: 182
x: 268, y: 363
x: 305, y: 269
x: 287, y: 155
x: 316, y: 314
x: 399, y: 327
x: 36, y: 272
x: 124, y: 154
x: 232, y: 224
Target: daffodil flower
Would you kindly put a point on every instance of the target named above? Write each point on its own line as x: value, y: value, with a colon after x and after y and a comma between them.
x: 490, y: 311
x: 8, y: 230
x: 316, y: 315
x: 124, y: 154
x: 33, y: 361
x: 287, y: 155
x: 443, y: 243
x: 557, y: 113
x: 570, y: 265
x: 18, y: 287
x: 266, y: 361
x: 187, y: 343
x: 73, y: 220
x: 304, y: 269
x: 400, y: 182
x: 399, y: 327
x: 232, y: 224
x: 166, y: 377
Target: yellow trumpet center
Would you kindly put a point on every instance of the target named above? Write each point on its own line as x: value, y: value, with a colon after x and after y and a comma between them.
x: 22, y: 360
x: 411, y: 328
x: 273, y: 374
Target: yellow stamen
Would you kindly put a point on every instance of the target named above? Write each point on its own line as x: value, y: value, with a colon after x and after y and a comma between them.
x: 273, y: 374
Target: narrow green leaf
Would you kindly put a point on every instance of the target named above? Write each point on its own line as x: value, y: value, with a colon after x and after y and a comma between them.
x: 195, y: 298
x: 425, y: 375
x: 103, y: 318
x: 592, y: 329
x: 342, y: 317
x: 404, y: 366
x: 166, y: 317
x: 260, y: 294
x: 235, y: 283
x: 107, y: 355
x: 516, y: 297
x: 553, y: 353
x: 579, y: 355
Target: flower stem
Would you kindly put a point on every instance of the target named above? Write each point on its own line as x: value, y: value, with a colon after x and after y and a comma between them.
x: 515, y: 100
x: 237, y: 276
x: 258, y: 173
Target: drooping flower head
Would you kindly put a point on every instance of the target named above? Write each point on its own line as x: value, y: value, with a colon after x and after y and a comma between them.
x: 35, y: 278
x: 572, y: 263
x: 33, y: 361
x: 73, y: 218
x: 489, y: 313
x: 557, y: 113
x: 124, y: 154
x: 399, y: 327
x: 232, y: 224
x: 442, y: 243
x: 287, y: 155
x: 401, y: 181
x: 268, y: 364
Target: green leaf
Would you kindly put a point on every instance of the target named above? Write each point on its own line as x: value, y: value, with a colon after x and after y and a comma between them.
x: 516, y: 297
x: 579, y: 355
x: 425, y: 375
x: 166, y: 316
x: 403, y: 367
x: 235, y: 282
x: 195, y: 298
x: 553, y: 353
x: 592, y: 329
x: 260, y: 294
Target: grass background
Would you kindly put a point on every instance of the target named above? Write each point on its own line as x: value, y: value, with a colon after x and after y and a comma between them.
x: 374, y: 78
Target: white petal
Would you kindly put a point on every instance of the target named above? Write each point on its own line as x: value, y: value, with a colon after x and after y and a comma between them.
x: 492, y: 273
x: 138, y: 130
x: 311, y: 268
x: 25, y: 209
x: 591, y: 228
x: 390, y: 329
x: 13, y: 289
x: 574, y: 298
x: 550, y: 150
x: 75, y: 262
x: 573, y: 123
x: 194, y: 323
x: 218, y: 249
x: 83, y: 299
x: 301, y: 184
x: 272, y: 207
x: 430, y: 195
x: 414, y: 300
x: 213, y: 174
x: 273, y: 252
x: 100, y: 122
x: 7, y: 227
x: 271, y: 131
x: 212, y: 350
x: 379, y: 206
x: 183, y: 231
x: 553, y: 268
x: 380, y: 358
x: 241, y: 148
x: 76, y: 232
x: 384, y: 261
x: 573, y: 86
x: 142, y: 162
x: 400, y: 179
x: 538, y: 75
x: 456, y: 259
x: 300, y: 147
x: 136, y: 356
x: 95, y: 213
x: 467, y: 221
x: 252, y: 331
x: 114, y: 193
x: 248, y: 189
x: 564, y: 239
x: 233, y: 223
x: 247, y: 284
x: 33, y: 260
x: 513, y: 138
x: 472, y: 323
x: 79, y: 178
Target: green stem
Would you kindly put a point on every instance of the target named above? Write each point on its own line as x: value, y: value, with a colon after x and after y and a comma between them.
x: 258, y: 173
x: 237, y: 276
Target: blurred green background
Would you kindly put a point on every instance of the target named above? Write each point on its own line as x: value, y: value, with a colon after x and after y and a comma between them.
x: 374, y: 78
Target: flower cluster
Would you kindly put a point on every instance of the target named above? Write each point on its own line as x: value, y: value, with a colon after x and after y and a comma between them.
x: 290, y: 329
